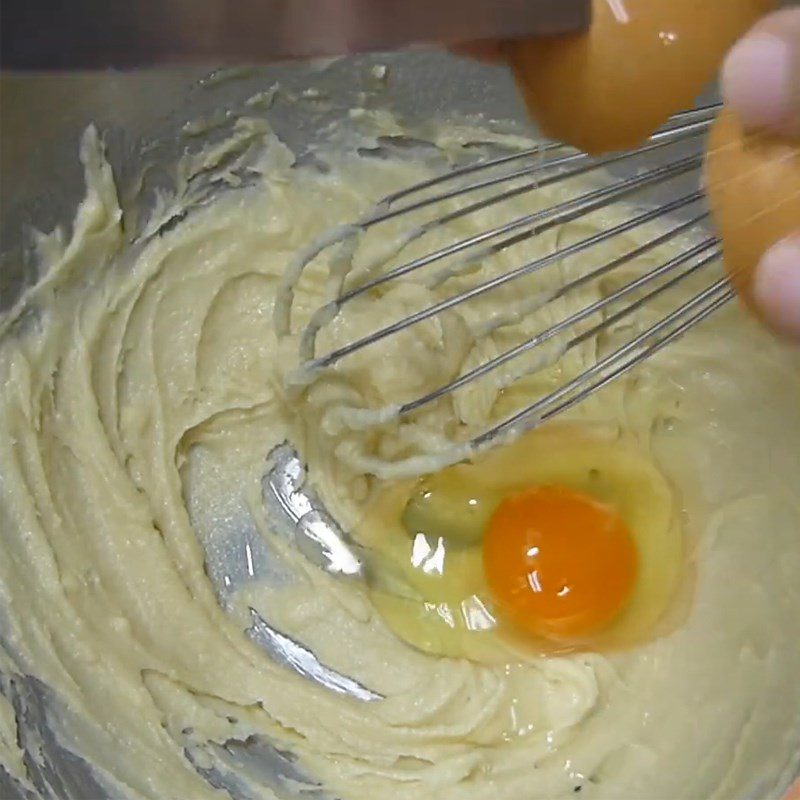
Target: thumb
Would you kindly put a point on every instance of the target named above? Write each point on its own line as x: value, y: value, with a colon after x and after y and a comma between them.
x: 761, y: 75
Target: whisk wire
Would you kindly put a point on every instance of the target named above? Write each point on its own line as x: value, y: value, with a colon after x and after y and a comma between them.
x: 683, y: 126
x: 551, y: 166
x: 588, y: 311
x: 556, y: 216
x: 693, y: 312
x: 618, y: 190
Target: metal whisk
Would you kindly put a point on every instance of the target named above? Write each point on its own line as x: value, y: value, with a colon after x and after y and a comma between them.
x: 673, y: 152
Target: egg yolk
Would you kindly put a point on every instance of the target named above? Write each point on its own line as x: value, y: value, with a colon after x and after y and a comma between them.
x: 558, y: 564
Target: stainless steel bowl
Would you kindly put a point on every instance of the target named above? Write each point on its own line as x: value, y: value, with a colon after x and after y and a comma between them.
x: 141, y: 115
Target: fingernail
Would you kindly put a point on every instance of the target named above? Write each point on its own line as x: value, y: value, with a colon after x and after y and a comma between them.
x: 757, y: 80
x: 776, y: 287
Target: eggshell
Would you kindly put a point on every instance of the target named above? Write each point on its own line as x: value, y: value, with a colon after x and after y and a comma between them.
x: 640, y: 62
x: 753, y: 185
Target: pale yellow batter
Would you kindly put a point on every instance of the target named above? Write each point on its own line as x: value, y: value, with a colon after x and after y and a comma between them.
x: 143, y: 388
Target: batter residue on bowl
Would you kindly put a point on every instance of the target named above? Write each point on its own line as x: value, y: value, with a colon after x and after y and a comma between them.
x: 142, y: 391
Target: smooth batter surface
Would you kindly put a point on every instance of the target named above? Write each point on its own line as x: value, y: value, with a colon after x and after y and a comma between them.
x: 142, y: 391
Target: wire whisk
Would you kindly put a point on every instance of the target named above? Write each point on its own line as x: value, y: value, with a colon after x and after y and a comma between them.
x: 669, y: 162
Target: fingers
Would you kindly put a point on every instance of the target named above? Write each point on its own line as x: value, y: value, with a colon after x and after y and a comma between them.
x: 761, y: 81
x: 776, y: 287
x: 761, y: 75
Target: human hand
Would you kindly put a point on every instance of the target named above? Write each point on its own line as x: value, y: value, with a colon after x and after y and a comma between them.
x: 761, y: 81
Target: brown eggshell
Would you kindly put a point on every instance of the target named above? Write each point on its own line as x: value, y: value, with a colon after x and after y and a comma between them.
x: 753, y: 186
x: 640, y: 62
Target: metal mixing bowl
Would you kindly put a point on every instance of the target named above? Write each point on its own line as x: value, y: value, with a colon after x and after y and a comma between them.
x: 141, y: 115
